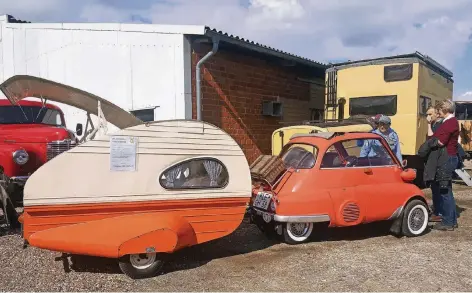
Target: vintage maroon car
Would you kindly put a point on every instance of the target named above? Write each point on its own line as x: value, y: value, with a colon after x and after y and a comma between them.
x: 31, y: 133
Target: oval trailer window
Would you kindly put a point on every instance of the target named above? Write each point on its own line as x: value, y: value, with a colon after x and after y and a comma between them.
x: 195, y: 174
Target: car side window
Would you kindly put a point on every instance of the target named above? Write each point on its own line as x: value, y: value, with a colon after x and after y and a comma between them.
x: 357, y: 153
x: 374, y: 151
x: 331, y: 159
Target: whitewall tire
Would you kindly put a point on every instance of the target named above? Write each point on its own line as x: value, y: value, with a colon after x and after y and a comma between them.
x: 295, y: 233
x: 415, y: 218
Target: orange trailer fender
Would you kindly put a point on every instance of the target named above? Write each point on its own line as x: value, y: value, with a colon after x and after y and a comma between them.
x: 117, y: 236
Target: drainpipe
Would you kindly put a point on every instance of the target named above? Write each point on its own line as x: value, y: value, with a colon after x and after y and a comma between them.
x: 198, y: 79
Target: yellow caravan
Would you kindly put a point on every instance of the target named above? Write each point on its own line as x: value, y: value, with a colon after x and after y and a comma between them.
x: 401, y: 87
x: 281, y: 136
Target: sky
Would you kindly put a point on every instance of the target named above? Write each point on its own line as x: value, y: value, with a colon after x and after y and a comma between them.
x: 325, y: 31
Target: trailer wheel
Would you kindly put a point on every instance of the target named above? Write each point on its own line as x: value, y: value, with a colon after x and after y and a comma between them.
x: 143, y: 265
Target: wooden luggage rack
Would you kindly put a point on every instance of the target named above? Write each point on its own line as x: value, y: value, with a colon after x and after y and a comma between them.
x: 267, y: 168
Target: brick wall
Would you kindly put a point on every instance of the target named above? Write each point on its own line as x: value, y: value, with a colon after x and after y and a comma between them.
x: 233, y: 89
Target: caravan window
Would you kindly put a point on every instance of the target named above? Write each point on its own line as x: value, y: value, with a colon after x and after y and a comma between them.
x: 195, y: 174
x: 464, y: 111
x: 425, y: 102
x: 386, y: 105
x: 398, y: 72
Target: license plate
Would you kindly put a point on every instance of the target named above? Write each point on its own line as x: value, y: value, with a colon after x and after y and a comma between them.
x: 262, y: 200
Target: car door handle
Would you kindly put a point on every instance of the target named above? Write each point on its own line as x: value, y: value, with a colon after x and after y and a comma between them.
x: 368, y: 170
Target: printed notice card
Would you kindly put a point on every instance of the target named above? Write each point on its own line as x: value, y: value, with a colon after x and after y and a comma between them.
x: 123, y: 153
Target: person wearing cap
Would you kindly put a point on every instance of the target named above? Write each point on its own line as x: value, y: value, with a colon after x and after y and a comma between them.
x: 374, y: 122
x: 384, y: 129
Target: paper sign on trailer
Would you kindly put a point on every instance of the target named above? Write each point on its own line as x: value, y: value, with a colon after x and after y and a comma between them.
x: 123, y: 153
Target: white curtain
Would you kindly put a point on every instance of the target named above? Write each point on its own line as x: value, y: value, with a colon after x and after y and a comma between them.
x: 172, y: 175
x: 213, y: 169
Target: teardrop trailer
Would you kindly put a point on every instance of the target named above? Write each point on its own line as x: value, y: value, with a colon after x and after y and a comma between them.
x: 137, y: 195
x: 328, y: 178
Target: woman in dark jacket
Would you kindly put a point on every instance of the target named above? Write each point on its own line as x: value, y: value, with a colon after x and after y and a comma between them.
x: 434, y: 121
x: 447, y: 136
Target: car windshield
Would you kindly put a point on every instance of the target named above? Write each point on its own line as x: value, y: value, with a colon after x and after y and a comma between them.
x: 30, y: 115
x: 299, y: 156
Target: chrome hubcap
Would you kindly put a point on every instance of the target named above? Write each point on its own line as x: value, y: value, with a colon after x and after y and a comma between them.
x: 298, y: 229
x: 416, y: 220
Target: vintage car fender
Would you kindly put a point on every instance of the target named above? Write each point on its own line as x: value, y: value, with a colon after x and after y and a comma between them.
x: 118, y: 236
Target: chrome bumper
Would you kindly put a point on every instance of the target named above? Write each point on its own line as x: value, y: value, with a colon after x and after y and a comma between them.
x: 292, y: 219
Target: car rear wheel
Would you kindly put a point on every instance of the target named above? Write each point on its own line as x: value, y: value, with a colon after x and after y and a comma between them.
x: 415, y: 218
x: 143, y: 265
x: 295, y: 233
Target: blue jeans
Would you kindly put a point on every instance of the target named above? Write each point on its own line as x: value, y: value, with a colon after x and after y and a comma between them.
x: 449, y: 216
x: 437, y: 198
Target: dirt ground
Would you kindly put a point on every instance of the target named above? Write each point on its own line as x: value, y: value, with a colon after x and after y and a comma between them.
x: 362, y: 258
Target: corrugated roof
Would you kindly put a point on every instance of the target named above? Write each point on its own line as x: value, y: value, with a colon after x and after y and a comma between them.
x: 254, y: 45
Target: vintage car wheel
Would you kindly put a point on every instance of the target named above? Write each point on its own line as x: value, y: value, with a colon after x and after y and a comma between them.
x: 295, y: 233
x: 415, y: 218
x: 144, y: 265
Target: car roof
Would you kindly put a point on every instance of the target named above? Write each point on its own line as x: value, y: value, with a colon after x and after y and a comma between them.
x: 5, y: 102
x: 328, y: 138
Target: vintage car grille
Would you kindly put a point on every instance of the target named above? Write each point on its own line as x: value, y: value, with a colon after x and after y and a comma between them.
x: 55, y: 148
x: 351, y: 212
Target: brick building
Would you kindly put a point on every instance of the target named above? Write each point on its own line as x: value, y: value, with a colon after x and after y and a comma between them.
x: 241, y: 76
x: 150, y: 70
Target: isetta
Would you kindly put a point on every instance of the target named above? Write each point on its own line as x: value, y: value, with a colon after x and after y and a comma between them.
x: 136, y: 195
x: 340, y: 179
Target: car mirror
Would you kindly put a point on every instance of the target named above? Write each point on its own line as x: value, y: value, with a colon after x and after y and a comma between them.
x: 408, y: 175
x: 78, y: 129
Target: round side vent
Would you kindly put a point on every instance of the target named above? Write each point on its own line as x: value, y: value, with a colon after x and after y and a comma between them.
x: 351, y: 212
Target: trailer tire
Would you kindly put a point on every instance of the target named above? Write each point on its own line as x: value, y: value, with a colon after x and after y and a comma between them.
x: 139, y: 266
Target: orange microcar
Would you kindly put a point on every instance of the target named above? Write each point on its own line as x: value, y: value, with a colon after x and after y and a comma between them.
x: 341, y: 180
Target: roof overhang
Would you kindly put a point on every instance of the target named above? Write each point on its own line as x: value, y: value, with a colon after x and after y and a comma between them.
x: 20, y: 87
x: 256, y: 47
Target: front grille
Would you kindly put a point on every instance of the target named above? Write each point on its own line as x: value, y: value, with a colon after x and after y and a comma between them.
x: 55, y: 148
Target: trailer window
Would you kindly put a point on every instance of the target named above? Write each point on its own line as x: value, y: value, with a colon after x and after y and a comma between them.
x: 425, y: 102
x: 386, y: 105
x: 398, y: 72
x: 195, y: 174
x: 464, y: 111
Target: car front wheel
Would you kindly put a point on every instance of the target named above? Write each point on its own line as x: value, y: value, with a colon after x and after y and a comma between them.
x: 415, y: 218
x: 295, y: 233
x: 143, y: 265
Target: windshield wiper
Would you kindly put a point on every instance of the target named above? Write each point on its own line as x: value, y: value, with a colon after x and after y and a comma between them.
x: 21, y: 108
x: 42, y: 107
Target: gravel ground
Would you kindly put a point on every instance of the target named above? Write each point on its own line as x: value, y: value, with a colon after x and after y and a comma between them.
x: 362, y: 258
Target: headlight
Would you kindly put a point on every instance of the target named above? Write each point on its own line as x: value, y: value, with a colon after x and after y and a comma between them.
x: 20, y: 157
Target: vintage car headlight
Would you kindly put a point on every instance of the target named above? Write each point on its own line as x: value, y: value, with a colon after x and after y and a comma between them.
x: 20, y: 157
